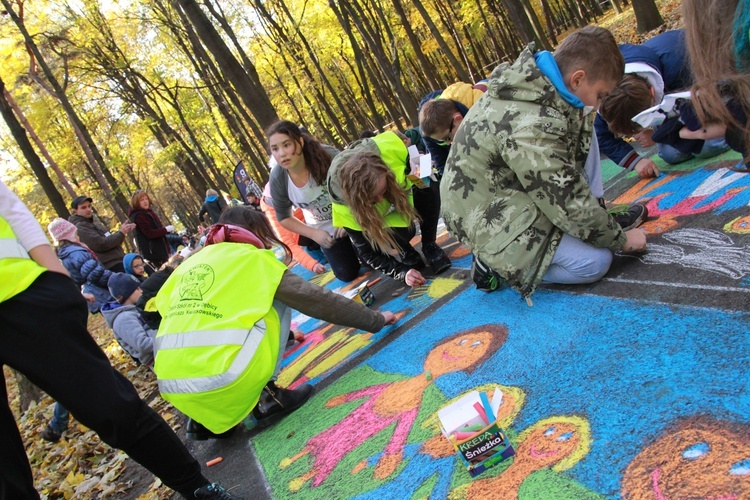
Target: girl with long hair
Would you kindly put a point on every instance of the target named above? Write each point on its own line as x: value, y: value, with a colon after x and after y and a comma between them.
x: 719, y: 49
x: 299, y: 181
x: 375, y: 202
x: 207, y: 314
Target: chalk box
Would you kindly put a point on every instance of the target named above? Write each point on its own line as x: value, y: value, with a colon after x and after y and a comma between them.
x: 485, y: 447
x: 361, y: 294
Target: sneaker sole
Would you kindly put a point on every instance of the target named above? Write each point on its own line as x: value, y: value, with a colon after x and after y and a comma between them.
x: 638, y: 221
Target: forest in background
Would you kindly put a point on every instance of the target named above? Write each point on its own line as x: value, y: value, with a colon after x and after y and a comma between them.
x: 168, y: 96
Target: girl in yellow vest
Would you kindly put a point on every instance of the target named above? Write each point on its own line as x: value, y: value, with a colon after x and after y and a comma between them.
x: 44, y: 337
x: 218, y: 348
x: 374, y: 201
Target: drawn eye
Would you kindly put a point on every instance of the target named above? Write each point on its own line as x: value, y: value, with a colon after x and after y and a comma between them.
x: 696, y: 451
x: 476, y: 343
x: 565, y: 436
x: 462, y: 341
x: 741, y: 468
x: 549, y: 431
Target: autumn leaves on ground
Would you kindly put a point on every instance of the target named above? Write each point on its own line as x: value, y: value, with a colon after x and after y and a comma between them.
x: 81, y: 466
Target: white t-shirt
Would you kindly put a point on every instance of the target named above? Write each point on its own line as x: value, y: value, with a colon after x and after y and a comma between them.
x: 314, y: 202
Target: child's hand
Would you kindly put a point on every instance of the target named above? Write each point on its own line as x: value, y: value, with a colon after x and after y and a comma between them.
x: 414, y: 278
x: 636, y: 241
x: 390, y: 318
x: 713, y: 131
x: 319, y: 268
x: 646, y: 168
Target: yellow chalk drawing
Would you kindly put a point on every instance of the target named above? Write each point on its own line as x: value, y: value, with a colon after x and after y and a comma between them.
x: 583, y: 430
x: 324, y: 356
x: 323, y: 279
x: 740, y: 225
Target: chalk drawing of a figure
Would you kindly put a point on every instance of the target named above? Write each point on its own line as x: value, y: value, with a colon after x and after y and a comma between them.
x: 700, y: 457
x: 398, y: 402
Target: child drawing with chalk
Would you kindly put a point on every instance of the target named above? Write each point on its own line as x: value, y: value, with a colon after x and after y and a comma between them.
x: 392, y: 403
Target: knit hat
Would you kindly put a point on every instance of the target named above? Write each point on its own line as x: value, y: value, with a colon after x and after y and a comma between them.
x: 60, y: 229
x: 121, y: 286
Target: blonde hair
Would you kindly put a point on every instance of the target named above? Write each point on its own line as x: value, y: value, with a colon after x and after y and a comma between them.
x: 358, y: 176
x: 709, y: 35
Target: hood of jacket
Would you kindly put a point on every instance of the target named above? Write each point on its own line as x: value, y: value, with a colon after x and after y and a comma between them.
x: 523, y: 80
x: 211, y: 198
x: 65, y: 251
x: 111, y: 310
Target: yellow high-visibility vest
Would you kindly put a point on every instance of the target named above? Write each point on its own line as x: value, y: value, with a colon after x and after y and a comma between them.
x: 218, y: 341
x: 395, y: 155
x: 17, y: 270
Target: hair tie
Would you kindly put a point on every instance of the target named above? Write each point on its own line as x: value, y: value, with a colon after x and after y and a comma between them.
x: 220, y: 233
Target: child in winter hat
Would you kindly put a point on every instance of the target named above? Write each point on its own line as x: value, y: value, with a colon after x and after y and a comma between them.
x: 62, y: 230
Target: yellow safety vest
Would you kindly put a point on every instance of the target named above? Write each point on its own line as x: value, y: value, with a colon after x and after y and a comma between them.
x: 17, y: 270
x: 395, y: 155
x: 218, y: 341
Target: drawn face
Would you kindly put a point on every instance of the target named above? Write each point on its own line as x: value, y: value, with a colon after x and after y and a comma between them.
x: 286, y: 151
x: 704, y: 458
x: 547, y: 445
x: 458, y: 354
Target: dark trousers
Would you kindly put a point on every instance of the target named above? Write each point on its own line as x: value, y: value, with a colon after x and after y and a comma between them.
x: 427, y: 205
x: 44, y: 336
x: 343, y: 259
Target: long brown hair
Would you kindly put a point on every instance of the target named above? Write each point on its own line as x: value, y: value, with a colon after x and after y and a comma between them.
x: 317, y: 159
x: 358, y: 176
x: 710, y: 42
x: 256, y: 223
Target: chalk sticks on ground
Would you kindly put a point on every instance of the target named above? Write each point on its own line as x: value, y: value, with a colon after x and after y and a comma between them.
x: 214, y: 461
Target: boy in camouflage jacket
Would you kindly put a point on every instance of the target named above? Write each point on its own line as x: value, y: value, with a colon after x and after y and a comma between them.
x: 515, y: 189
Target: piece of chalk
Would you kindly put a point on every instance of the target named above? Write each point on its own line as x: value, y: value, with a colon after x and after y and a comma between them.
x: 214, y: 461
x: 428, y: 375
x: 375, y: 281
x: 462, y: 436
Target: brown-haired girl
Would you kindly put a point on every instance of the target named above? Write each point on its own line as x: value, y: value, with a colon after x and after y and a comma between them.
x: 374, y: 201
x: 299, y: 181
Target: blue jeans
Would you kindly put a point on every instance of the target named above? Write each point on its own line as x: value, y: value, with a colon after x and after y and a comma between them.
x: 60, y: 419
x: 711, y: 148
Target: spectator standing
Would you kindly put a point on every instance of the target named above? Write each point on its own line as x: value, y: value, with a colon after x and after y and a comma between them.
x: 150, y: 233
x: 213, y: 206
x: 106, y: 245
x: 45, y: 338
x: 252, y: 188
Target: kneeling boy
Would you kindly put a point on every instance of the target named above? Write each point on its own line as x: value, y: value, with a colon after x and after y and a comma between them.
x: 515, y: 189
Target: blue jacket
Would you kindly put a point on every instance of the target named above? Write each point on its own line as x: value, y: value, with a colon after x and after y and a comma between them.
x: 667, y: 55
x: 86, y: 271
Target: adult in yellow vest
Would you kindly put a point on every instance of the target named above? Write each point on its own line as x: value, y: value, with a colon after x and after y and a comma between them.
x: 44, y: 337
x: 218, y: 348
x: 373, y: 199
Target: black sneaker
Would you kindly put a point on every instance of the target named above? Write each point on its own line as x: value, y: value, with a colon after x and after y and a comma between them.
x: 51, y: 435
x: 629, y: 216
x: 198, y: 432
x: 215, y: 492
x: 485, y: 278
x: 276, y: 402
x: 436, y: 257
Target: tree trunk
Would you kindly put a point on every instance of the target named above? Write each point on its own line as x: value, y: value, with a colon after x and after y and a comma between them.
x: 19, y: 134
x: 461, y: 72
x: 39, y: 144
x: 616, y: 6
x: 647, y: 15
x: 27, y: 392
x: 247, y: 84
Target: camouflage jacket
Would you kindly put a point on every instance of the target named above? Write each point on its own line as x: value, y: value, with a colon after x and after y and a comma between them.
x: 514, y: 181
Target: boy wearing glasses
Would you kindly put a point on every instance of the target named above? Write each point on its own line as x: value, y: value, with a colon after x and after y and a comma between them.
x: 516, y: 187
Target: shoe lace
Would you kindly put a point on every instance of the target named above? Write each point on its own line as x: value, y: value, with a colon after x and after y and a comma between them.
x: 214, y: 491
x: 623, y: 209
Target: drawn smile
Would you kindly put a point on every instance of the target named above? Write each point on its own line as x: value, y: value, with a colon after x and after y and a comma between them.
x: 448, y: 357
x: 534, y: 453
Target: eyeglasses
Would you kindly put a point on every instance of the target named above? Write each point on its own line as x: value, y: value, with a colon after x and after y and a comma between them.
x: 447, y: 138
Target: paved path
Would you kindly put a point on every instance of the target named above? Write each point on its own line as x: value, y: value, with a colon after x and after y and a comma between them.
x: 636, y: 386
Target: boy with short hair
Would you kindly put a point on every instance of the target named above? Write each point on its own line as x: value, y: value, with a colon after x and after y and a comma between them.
x: 125, y: 320
x: 516, y: 184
